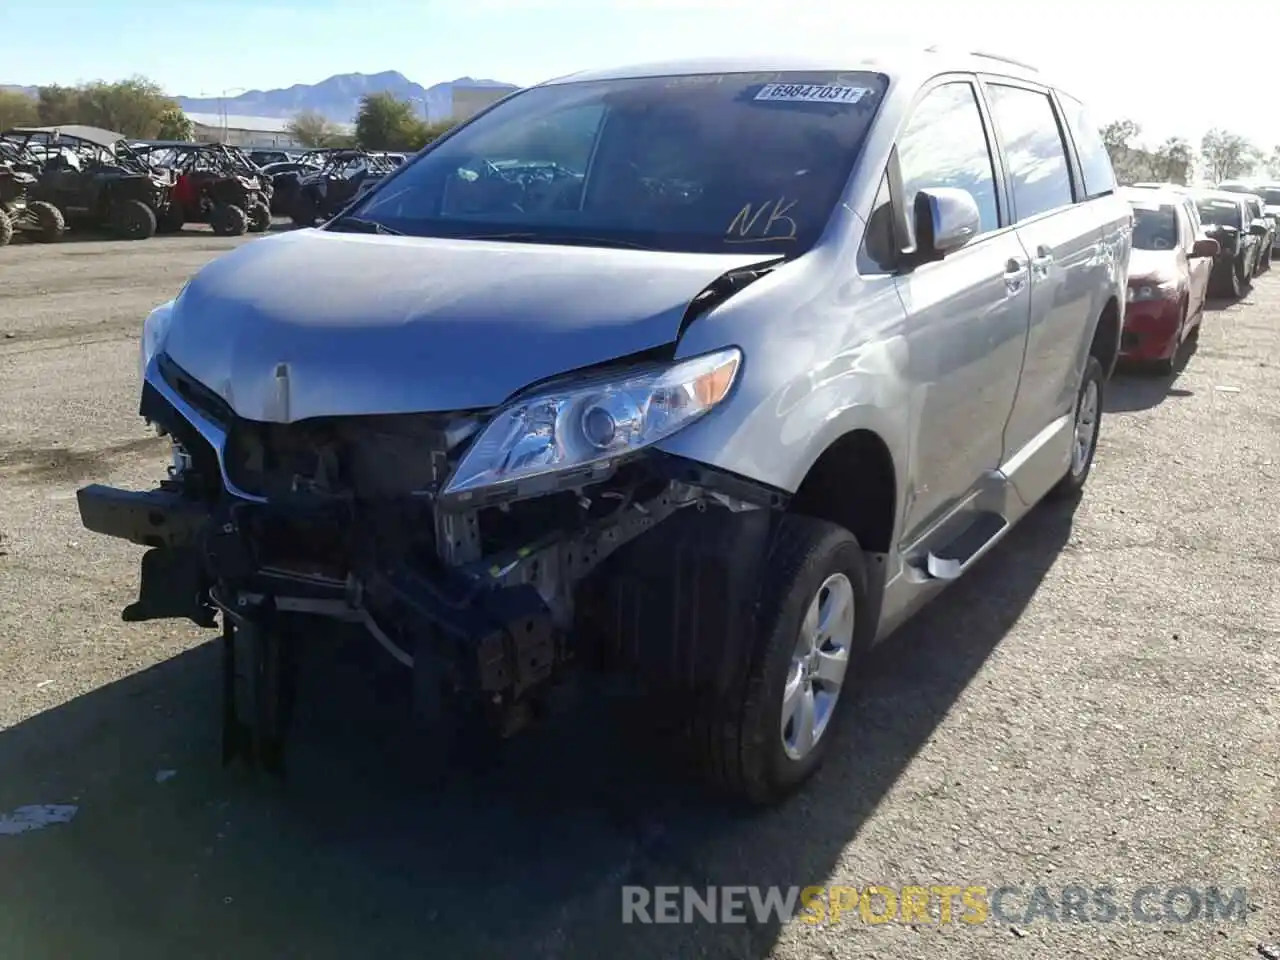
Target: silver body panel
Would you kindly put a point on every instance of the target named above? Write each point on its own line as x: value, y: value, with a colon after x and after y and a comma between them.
x: 966, y: 368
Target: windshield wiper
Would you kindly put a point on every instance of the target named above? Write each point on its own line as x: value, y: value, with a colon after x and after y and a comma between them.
x: 553, y: 239
x: 360, y: 225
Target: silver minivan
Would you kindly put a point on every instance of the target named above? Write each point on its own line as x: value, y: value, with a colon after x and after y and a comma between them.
x: 704, y: 375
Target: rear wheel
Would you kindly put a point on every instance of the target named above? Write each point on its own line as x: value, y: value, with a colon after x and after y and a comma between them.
x: 228, y: 220
x: 6, y: 229
x: 48, y: 221
x: 1084, y: 437
x: 133, y: 220
x: 259, y: 218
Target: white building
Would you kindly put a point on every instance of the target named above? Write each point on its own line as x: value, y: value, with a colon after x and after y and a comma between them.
x: 242, y: 131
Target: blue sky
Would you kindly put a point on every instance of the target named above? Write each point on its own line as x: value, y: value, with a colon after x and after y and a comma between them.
x: 1118, y: 54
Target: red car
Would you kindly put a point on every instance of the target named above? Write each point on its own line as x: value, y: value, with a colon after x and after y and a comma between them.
x: 1168, y: 277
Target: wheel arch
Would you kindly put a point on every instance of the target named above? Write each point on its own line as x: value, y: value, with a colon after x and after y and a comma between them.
x: 853, y: 482
x: 1105, y: 344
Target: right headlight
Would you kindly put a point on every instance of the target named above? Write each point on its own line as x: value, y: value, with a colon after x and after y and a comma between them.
x: 154, y: 329
x: 589, y: 422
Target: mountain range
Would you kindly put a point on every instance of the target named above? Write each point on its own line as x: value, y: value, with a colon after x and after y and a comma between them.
x: 336, y: 99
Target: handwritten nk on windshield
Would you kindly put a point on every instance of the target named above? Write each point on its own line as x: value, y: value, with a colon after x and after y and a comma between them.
x: 769, y: 221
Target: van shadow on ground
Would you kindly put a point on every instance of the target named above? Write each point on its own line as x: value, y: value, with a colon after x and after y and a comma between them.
x: 355, y: 857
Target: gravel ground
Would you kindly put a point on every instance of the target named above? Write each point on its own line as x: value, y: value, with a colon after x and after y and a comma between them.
x: 1095, y: 705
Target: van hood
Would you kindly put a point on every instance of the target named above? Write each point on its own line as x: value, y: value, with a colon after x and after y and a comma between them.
x: 312, y: 323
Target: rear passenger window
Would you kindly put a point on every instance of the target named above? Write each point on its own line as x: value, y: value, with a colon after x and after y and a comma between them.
x: 1033, y: 148
x: 1095, y: 163
x: 945, y: 145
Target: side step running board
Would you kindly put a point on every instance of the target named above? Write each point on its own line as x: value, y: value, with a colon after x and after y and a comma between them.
x: 964, y: 550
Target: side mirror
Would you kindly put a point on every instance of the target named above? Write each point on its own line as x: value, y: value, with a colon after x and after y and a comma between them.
x: 1205, y: 248
x: 946, y: 218
x: 1258, y: 228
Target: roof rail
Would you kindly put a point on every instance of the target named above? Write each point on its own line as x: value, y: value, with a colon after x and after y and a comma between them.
x: 1003, y: 59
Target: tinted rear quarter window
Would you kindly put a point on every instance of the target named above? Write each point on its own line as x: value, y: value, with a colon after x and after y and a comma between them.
x: 1034, y: 151
x: 1095, y: 163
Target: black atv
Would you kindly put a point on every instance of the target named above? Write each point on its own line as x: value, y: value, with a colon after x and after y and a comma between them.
x: 216, y: 184
x: 284, y: 177
x: 18, y: 176
x: 345, y: 174
x: 94, y: 179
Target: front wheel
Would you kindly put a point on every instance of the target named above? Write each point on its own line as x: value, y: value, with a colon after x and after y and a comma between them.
x: 47, y: 221
x: 228, y: 220
x: 1084, y: 436
x: 259, y: 218
x: 173, y: 220
x: 814, y: 618
x: 1169, y: 364
x: 133, y: 220
x: 306, y: 212
x: 6, y: 229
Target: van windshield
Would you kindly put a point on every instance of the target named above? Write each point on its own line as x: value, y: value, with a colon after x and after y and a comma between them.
x: 708, y: 163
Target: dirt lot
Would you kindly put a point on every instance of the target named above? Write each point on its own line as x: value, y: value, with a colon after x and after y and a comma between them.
x: 1094, y: 705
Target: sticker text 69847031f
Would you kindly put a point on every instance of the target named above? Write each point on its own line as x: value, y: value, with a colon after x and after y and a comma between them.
x: 811, y: 93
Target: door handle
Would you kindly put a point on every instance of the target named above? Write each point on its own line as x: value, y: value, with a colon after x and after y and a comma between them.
x: 1015, y: 276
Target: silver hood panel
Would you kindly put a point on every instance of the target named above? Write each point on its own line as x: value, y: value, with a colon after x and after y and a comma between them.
x: 311, y: 323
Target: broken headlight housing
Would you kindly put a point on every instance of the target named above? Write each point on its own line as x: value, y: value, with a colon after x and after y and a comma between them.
x: 154, y: 329
x: 578, y: 424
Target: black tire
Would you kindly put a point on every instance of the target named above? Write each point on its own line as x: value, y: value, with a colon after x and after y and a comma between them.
x: 6, y: 229
x: 739, y: 743
x: 305, y: 213
x: 1245, y: 277
x: 260, y: 665
x: 259, y: 218
x: 132, y: 220
x: 1228, y: 285
x: 173, y: 220
x: 1072, y: 483
x: 48, y: 221
x: 228, y: 220
x: 1167, y: 366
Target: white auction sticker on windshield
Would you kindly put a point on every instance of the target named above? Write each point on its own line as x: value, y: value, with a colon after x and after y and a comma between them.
x: 811, y: 93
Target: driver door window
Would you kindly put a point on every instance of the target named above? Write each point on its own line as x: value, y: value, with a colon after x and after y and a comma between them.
x: 945, y: 145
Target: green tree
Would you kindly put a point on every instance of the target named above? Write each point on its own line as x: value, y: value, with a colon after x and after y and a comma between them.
x: 385, y: 122
x: 1130, y: 161
x: 175, y: 125
x: 17, y: 109
x: 57, y: 104
x: 421, y: 133
x: 1172, y: 161
x: 1226, y: 155
x: 135, y: 107
x: 312, y: 130
x: 1273, y: 162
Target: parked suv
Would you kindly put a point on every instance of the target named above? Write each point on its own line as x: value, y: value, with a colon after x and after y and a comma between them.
x: 1269, y: 193
x: 577, y: 385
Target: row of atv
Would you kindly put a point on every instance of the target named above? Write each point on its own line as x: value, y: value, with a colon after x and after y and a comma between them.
x: 53, y: 179
x: 315, y: 186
